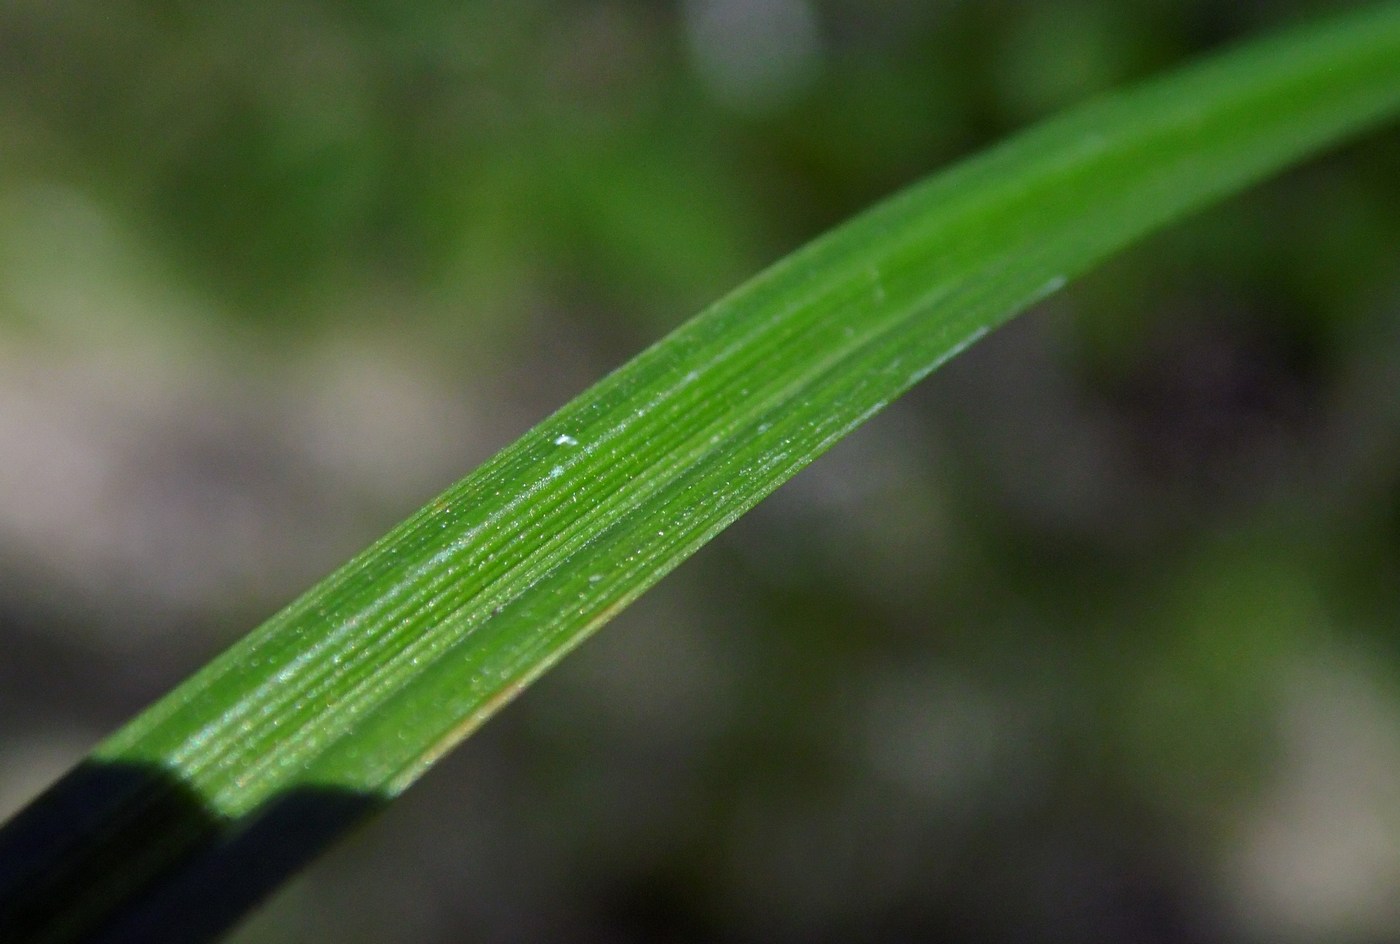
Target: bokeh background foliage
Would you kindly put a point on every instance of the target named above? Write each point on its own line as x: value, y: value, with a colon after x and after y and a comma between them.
x: 1091, y: 637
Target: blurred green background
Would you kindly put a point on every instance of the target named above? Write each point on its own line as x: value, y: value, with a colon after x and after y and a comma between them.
x: 1094, y: 637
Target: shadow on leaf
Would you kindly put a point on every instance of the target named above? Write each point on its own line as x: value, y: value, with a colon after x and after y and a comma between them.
x: 119, y: 852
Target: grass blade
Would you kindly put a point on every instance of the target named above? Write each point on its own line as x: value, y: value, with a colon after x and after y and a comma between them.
x: 344, y: 698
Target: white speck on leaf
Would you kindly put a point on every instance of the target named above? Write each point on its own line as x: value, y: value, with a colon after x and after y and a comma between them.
x: 564, y: 439
x: 1050, y: 287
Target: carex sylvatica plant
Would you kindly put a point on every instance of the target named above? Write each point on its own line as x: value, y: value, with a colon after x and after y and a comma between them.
x: 185, y: 817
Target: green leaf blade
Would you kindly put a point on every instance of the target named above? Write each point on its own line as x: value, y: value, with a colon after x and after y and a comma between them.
x: 367, y: 679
